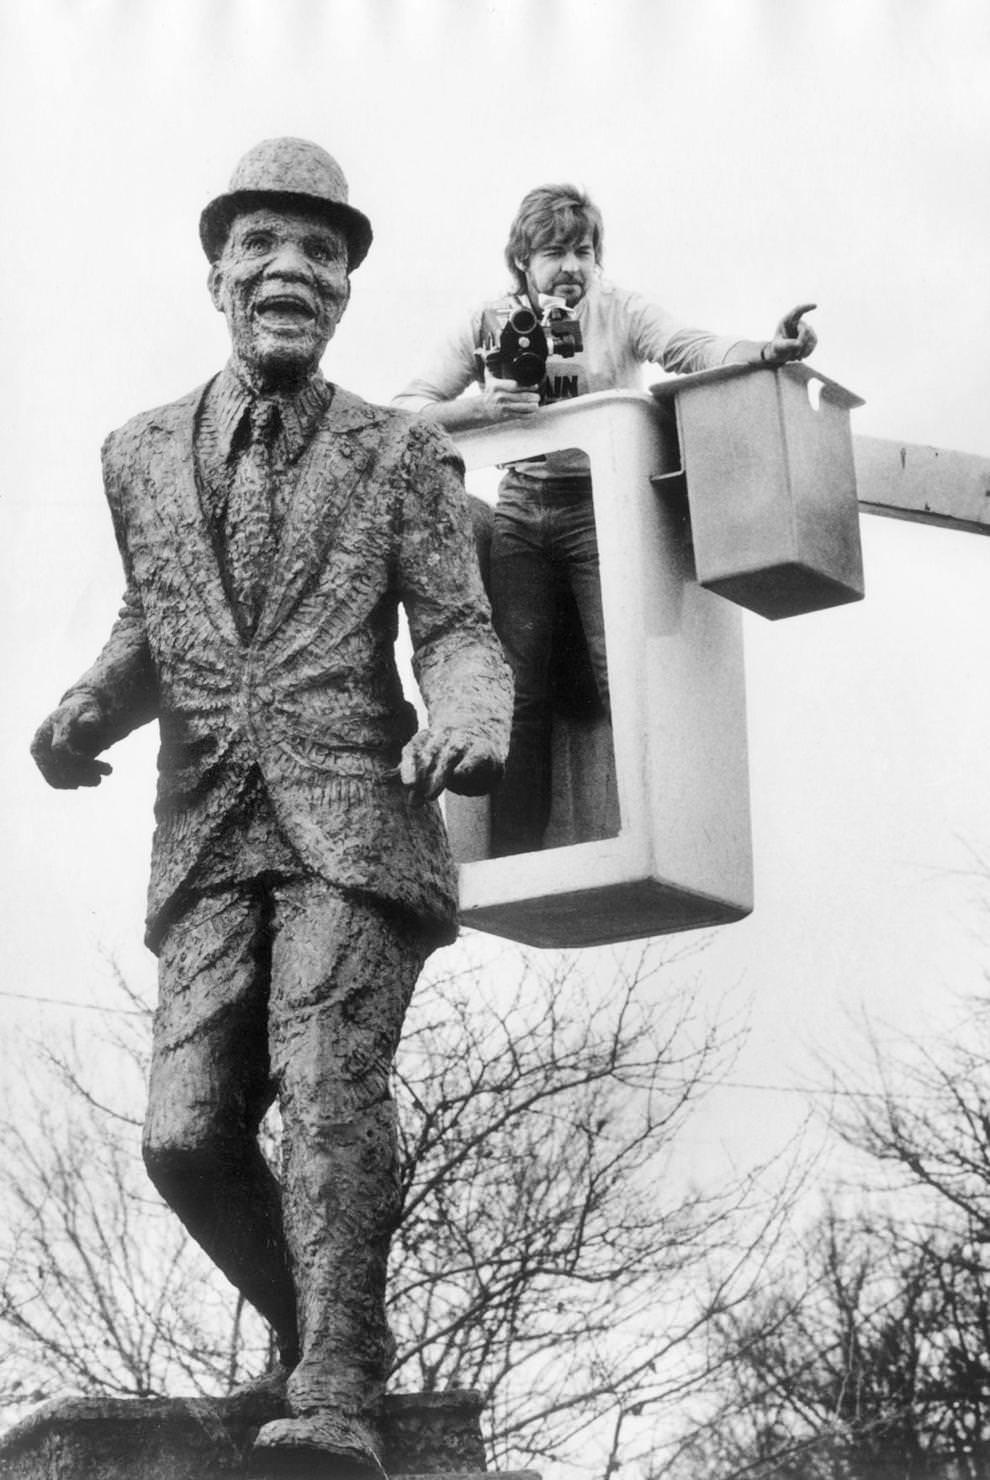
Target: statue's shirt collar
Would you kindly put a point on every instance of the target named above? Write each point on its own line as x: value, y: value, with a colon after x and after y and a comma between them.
x: 231, y: 398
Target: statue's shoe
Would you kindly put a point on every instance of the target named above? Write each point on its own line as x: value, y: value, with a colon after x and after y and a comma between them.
x: 324, y: 1446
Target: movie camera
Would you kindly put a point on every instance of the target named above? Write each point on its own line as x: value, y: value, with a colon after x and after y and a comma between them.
x: 521, y: 351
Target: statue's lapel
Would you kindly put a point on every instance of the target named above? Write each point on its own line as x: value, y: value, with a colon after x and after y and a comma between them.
x: 339, y: 457
x: 177, y: 507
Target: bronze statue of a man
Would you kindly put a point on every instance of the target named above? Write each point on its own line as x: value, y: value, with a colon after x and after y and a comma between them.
x: 270, y: 524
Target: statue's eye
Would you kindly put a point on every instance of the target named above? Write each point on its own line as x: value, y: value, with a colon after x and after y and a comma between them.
x: 322, y: 249
x: 257, y: 243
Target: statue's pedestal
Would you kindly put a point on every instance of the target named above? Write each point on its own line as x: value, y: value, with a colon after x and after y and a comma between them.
x: 435, y: 1434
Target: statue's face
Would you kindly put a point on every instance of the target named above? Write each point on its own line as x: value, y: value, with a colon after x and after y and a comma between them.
x: 282, y: 285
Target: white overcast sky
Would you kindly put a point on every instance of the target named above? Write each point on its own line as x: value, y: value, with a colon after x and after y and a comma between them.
x: 747, y: 156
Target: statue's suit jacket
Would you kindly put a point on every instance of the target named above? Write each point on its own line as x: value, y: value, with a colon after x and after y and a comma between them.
x: 312, y: 699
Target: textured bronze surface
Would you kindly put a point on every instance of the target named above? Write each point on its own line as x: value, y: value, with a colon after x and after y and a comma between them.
x: 270, y: 527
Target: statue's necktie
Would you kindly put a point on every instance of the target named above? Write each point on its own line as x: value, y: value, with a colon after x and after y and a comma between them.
x: 248, y: 532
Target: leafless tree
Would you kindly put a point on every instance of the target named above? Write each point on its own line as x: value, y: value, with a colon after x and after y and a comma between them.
x: 551, y: 1253
x: 100, y: 1290
x: 921, y: 1110
x: 869, y: 1357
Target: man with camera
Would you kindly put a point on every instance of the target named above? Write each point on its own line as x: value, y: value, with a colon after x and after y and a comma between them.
x: 598, y: 336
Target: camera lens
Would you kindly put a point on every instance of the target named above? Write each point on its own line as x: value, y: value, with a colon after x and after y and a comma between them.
x: 523, y: 321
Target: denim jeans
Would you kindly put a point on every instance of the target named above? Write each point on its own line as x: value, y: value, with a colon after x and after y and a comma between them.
x: 544, y: 545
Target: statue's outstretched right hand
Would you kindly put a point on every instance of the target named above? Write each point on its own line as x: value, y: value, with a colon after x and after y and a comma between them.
x: 65, y: 744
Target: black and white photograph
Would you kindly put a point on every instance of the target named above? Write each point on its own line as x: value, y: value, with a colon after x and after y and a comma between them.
x: 495, y: 878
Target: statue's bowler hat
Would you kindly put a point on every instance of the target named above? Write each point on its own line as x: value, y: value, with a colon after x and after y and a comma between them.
x: 293, y: 173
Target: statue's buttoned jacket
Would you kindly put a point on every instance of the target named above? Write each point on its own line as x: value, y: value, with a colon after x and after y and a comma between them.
x: 312, y: 699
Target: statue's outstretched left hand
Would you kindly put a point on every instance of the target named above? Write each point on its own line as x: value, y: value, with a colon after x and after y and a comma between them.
x: 456, y: 759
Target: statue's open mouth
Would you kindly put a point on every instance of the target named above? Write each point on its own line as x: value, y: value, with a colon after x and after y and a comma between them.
x: 285, y: 309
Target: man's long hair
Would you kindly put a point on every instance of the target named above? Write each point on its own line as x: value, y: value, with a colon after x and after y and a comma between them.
x: 552, y: 213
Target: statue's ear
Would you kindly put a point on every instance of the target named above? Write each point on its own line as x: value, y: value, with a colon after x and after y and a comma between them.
x: 215, y: 284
